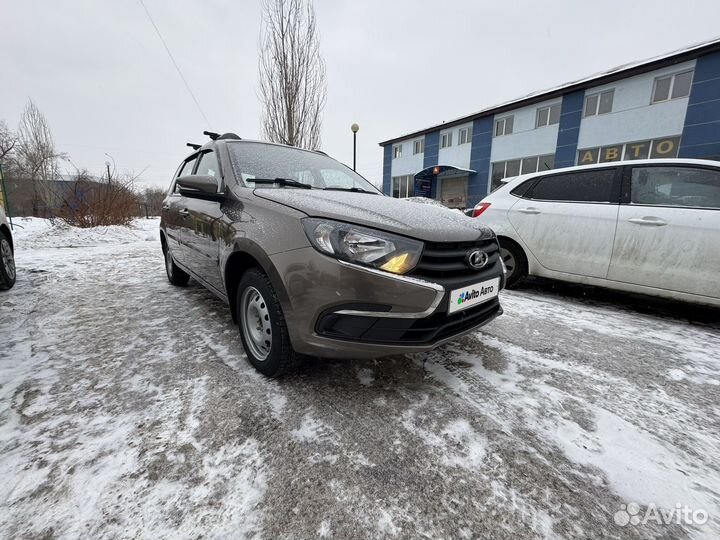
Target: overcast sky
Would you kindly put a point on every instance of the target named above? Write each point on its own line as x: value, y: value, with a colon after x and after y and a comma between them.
x: 104, y: 81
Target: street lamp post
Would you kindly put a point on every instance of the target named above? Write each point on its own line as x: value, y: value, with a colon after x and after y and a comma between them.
x: 355, y: 128
x: 107, y: 165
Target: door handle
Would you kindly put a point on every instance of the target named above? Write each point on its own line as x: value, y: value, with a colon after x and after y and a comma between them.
x: 648, y: 220
x: 529, y: 210
x: 184, y: 212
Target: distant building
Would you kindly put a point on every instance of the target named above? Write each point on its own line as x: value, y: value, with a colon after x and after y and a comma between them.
x: 664, y: 107
x: 31, y: 197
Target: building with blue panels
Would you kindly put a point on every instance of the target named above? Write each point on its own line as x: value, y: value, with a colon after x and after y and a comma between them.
x: 664, y: 107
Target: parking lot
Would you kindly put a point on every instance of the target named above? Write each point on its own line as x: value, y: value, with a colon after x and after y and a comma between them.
x: 127, y: 409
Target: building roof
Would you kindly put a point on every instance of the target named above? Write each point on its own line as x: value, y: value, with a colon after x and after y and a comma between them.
x: 604, y: 77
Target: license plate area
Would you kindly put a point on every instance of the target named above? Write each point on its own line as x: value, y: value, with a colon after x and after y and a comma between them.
x: 474, y: 294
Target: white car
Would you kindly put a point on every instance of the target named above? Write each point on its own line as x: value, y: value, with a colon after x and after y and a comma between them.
x: 648, y: 226
x: 431, y: 202
x: 7, y: 258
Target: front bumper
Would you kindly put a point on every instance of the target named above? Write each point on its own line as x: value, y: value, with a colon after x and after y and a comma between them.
x: 341, y: 310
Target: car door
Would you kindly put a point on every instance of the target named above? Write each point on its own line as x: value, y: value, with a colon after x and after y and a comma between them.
x: 200, y: 235
x: 173, y: 212
x: 668, y: 233
x: 567, y: 220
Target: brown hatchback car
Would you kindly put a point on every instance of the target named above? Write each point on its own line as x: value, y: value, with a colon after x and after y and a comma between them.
x: 314, y: 260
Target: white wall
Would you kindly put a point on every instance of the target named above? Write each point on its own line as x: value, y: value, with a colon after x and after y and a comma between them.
x: 525, y: 140
x: 408, y: 163
x: 633, y: 118
x: 457, y: 155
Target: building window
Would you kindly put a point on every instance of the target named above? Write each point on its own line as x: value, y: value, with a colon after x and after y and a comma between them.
x: 403, y: 186
x: 672, y: 86
x: 667, y: 147
x: 515, y: 167
x: 504, y: 126
x: 529, y: 165
x: 418, y: 146
x: 547, y: 116
x: 446, y: 140
x: 599, y: 103
x: 397, y: 151
x: 464, y: 136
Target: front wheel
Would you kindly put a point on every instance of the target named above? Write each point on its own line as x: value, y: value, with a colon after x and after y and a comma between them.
x: 262, y: 325
x: 515, y: 262
x: 175, y: 275
x: 7, y: 263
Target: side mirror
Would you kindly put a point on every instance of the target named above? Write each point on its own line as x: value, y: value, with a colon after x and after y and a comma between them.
x: 200, y: 187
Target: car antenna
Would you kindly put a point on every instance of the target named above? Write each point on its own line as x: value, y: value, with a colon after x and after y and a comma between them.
x: 193, y: 145
x: 211, y: 134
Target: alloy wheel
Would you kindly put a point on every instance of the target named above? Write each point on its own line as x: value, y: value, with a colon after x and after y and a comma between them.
x: 509, y: 260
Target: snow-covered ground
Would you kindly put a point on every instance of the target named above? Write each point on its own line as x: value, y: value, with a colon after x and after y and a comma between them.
x: 127, y: 409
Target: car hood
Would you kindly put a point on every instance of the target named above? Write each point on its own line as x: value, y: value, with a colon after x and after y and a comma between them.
x: 421, y: 221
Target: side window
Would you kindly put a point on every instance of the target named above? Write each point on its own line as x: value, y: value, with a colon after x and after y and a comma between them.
x: 184, y: 170
x: 675, y: 186
x: 208, y: 165
x: 583, y: 186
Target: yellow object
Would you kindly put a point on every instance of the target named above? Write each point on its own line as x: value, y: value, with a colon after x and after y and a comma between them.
x: 397, y: 264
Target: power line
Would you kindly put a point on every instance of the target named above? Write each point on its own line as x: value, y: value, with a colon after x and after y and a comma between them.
x: 172, y: 58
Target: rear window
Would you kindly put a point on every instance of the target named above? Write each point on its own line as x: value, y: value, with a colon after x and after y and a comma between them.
x: 582, y: 186
x: 522, y: 189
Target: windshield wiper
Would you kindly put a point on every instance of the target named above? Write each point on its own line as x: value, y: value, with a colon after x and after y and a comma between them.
x: 280, y: 181
x: 355, y: 189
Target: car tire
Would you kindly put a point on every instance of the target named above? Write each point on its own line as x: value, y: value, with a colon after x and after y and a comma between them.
x: 175, y: 275
x: 515, y: 261
x: 263, y: 329
x: 7, y: 263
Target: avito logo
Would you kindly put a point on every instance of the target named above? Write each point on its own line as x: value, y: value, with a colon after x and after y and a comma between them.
x: 473, y: 294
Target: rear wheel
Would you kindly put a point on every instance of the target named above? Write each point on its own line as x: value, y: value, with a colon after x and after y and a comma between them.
x: 175, y: 275
x: 7, y: 263
x: 515, y: 262
x: 262, y: 325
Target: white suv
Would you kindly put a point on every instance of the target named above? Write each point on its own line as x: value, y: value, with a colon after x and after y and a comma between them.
x: 649, y: 226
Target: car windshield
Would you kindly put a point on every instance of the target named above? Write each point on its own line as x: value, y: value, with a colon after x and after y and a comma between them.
x: 268, y: 162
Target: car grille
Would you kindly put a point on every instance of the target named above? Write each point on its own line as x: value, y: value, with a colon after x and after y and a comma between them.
x: 447, y: 259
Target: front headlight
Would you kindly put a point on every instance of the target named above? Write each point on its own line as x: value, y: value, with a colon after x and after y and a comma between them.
x: 359, y: 245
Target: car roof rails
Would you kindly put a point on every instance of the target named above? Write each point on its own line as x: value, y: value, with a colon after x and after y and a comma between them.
x: 193, y: 145
x: 225, y: 136
x: 230, y: 136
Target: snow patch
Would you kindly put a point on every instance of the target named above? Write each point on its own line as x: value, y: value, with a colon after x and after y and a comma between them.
x: 313, y: 430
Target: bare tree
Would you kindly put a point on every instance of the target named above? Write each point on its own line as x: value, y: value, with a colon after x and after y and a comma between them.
x: 8, y: 139
x: 86, y: 202
x: 37, y: 159
x: 152, y: 199
x: 292, y: 74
